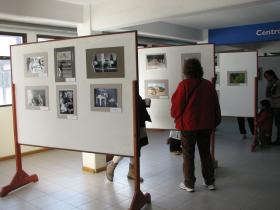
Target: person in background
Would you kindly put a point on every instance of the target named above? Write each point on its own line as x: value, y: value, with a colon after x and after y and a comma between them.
x: 196, y: 111
x: 273, y: 92
x: 264, y: 123
x: 241, y: 125
x: 143, y: 140
x: 174, y: 142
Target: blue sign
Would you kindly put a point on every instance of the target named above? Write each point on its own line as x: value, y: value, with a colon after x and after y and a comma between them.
x: 245, y: 34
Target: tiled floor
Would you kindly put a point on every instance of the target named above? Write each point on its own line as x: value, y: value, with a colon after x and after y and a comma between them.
x: 245, y: 180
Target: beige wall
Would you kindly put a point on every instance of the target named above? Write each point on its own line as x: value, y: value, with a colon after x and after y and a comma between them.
x: 6, y: 117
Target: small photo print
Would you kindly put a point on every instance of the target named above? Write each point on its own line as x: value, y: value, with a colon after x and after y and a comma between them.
x: 156, y: 89
x: 156, y: 61
x: 37, y: 97
x: 106, y: 97
x: 36, y: 65
x: 67, y: 102
x: 64, y: 64
x: 237, y: 78
x: 105, y: 62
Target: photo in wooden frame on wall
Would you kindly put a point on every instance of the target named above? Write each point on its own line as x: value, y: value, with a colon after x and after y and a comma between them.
x: 105, y: 62
x: 156, y: 89
x: 156, y: 61
x: 66, y: 97
x: 64, y: 59
x: 106, y: 97
x: 36, y: 64
x: 237, y: 78
x: 37, y: 97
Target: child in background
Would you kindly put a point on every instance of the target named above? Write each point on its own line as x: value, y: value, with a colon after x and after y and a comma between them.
x: 264, y: 123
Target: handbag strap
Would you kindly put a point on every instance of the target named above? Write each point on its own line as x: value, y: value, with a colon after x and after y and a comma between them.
x: 189, y: 97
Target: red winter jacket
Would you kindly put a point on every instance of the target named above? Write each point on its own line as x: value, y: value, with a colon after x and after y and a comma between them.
x: 202, y: 110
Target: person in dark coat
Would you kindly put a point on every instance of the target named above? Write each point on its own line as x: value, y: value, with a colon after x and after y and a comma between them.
x: 196, y: 111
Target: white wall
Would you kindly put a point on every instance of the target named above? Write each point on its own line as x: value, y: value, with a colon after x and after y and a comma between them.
x: 237, y: 100
x: 6, y: 125
x: 126, y: 13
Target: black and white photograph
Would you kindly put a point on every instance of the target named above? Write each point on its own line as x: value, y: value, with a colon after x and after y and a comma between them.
x: 105, y: 97
x: 36, y: 97
x: 156, y: 61
x: 64, y: 64
x: 36, y: 65
x: 105, y: 62
x: 66, y: 101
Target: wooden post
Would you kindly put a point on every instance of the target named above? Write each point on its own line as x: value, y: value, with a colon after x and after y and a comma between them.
x: 139, y: 199
x: 21, y: 178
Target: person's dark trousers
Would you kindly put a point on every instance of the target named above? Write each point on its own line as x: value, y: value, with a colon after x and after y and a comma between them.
x: 276, y: 116
x: 189, y: 140
x: 251, y: 124
x: 241, y: 125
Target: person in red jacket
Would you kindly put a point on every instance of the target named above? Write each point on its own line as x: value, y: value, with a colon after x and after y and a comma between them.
x: 196, y: 112
x: 264, y: 123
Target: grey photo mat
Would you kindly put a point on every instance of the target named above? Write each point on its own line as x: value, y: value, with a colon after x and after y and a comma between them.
x: 93, y: 107
x: 32, y: 89
x: 72, y: 88
x: 43, y: 73
x: 119, y: 73
x: 72, y: 62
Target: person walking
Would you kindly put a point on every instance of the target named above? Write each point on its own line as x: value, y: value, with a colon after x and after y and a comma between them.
x: 196, y: 111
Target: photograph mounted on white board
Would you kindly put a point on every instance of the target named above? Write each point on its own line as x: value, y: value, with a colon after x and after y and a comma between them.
x: 105, y: 62
x: 37, y: 97
x: 36, y: 65
x: 64, y: 64
x: 237, y: 78
x: 67, y: 102
x: 156, y: 89
x: 106, y: 97
x: 156, y: 61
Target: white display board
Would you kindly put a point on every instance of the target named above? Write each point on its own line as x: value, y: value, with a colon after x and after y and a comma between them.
x: 169, y: 69
x: 237, y: 99
x: 109, y: 131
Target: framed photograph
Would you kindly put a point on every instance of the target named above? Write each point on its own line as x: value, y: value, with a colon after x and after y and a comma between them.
x: 106, y: 97
x: 64, y: 59
x: 156, y: 89
x: 237, y: 78
x: 105, y: 62
x: 156, y: 61
x: 37, y: 97
x: 66, y: 102
x: 186, y: 56
x: 36, y: 65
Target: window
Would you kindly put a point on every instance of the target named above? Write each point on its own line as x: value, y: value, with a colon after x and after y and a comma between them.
x: 7, y: 39
x: 43, y: 38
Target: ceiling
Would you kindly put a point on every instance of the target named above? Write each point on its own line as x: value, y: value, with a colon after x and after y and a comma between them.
x: 264, y: 11
x: 261, y: 13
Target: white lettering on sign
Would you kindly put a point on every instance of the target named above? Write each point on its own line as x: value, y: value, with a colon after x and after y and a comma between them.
x: 268, y: 32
